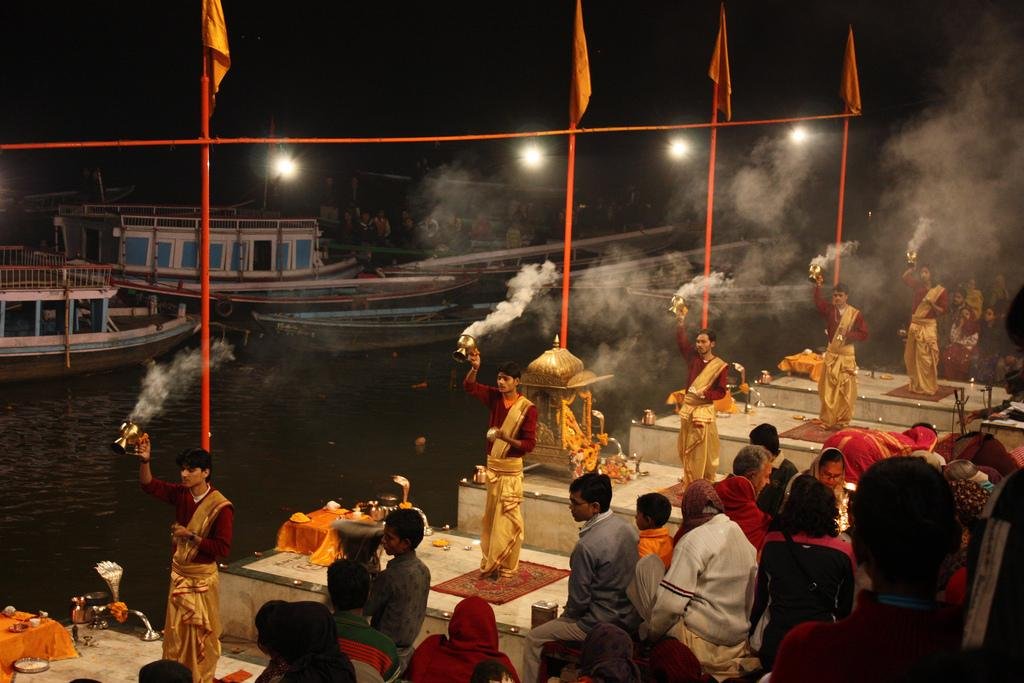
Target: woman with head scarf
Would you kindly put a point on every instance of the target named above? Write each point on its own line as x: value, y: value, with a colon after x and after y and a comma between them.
x: 472, y: 638
x: 607, y: 656
x: 958, y: 356
x: 705, y: 596
x: 806, y: 570
x: 970, y: 499
x: 304, y: 635
x: 829, y: 467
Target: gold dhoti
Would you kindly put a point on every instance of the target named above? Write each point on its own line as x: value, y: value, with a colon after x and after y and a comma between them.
x: 192, y: 629
x: 698, y: 440
x: 837, y: 387
x: 501, y: 537
x: 922, y: 355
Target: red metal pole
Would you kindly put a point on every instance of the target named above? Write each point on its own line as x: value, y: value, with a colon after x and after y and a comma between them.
x: 842, y: 196
x: 204, y: 258
x: 569, y: 184
x: 711, y: 205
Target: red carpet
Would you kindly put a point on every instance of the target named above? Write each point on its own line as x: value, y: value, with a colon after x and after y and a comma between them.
x: 529, y: 578
x: 905, y: 392
x: 811, y: 430
x: 674, y: 494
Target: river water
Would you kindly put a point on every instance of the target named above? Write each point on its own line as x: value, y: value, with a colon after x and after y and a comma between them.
x: 290, y: 432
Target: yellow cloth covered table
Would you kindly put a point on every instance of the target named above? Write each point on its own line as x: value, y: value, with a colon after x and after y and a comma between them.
x: 314, y: 538
x: 48, y: 641
x: 805, y: 363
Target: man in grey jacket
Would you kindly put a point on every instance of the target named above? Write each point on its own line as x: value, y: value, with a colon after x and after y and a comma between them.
x: 602, y: 565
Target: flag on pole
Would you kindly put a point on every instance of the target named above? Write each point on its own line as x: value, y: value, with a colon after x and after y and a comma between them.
x: 580, y: 96
x: 849, y: 87
x: 719, y: 70
x: 215, y: 37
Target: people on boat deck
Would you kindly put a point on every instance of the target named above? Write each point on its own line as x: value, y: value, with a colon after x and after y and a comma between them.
x: 348, y: 583
x: 652, y: 513
x: 837, y: 386
x: 513, y: 425
x: 601, y: 567
x: 905, y: 525
x: 739, y: 491
x: 921, y: 354
x: 398, y: 597
x: 707, y: 382
x: 201, y: 532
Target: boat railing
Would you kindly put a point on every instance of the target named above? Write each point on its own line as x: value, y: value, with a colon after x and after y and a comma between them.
x: 50, y: 277
x: 156, y: 210
x: 27, y: 256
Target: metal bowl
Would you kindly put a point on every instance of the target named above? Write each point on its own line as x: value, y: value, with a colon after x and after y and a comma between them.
x: 31, y: 665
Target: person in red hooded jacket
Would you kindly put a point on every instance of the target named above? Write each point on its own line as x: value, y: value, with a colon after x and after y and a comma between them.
x: 751, y: 469
x: 472, y: 638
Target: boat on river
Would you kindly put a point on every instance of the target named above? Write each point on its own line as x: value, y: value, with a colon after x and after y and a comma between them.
x: 56, y: 320
x: 366, y: 330
x: 586, y: 252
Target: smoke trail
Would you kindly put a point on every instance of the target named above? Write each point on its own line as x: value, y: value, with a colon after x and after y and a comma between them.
x: 694, y: 289
x: 521, y: 290
x: 830, y: 254
x: 921, y: 233
x: 161, y: 381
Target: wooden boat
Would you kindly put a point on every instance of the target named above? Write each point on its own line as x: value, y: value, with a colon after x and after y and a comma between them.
x: 56, y: 320
x: 155, y: 243
x: 585, y: 252
x: 728, y: 298
x: 389, y: 328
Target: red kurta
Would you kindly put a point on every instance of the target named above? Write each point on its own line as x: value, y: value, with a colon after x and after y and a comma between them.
x: 858, y: 330
x: 491, y: 397
x: 920, y: 290
x: 218, y: 543
x: 695, y: 364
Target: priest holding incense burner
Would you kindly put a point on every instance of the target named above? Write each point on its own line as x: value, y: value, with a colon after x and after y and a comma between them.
x: 922, y: 351
x: 512, y: 434
x: 837, y: 386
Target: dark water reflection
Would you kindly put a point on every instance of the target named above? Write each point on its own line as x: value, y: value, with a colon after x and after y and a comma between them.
x: 290, y: 432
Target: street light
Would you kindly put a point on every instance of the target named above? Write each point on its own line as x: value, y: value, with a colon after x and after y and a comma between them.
x: 531, y: 156
x: 283, y: 167
x: 677, y: 149
x: 798, y: 134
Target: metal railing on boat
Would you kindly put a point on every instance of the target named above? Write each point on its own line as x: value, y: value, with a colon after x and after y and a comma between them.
x: 50, y: 277
x: 26, y: 256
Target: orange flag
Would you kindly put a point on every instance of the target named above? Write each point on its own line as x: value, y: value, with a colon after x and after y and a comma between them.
x: 580, y: 95
x: 719, y: 70
x: 215, y: 37
x: 849, y: 87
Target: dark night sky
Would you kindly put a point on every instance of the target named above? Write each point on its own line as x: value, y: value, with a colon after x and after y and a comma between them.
x: 108, y: 70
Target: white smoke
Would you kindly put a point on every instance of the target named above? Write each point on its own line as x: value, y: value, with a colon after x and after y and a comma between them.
x: 921, y: 233
x: 763, y: 190
x: 521, y: 290
x: 694, y: 289
x: 162, y: 381
x: 829, y: 258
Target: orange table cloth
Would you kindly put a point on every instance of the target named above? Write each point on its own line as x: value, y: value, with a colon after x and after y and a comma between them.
x: 314, y: 538
x: 49, y: 641
x: 804, y: 363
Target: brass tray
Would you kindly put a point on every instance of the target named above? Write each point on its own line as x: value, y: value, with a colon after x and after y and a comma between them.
x: 31, y: 665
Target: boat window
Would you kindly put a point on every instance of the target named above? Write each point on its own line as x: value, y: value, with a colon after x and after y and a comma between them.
x: 238, y: 261
x: 136, y: 251
x: 163, y: 254
x: 216, y: 256
x: 303, y: 252
x: 262, y: 252
x: 282, y: 256
x: 188, y: 254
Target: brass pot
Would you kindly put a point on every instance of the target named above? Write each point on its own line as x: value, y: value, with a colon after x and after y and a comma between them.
x: 465, y: 344
x: 480, y: 476
x: 816, y: 273
x: 911, y: 258
x: 677, y: 307
x: 130, y: 433
x: 648, y: 418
